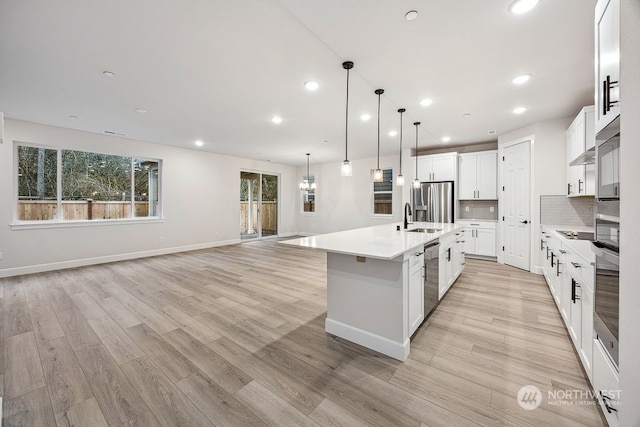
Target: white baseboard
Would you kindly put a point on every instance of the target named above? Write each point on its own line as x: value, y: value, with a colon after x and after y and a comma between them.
x: 397, y: 350
x: 39, y: 268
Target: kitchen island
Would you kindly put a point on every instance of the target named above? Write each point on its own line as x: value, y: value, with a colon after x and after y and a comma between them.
x: 375, y: 281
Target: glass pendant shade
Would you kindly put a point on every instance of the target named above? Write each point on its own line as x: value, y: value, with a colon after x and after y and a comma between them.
x: 400, y: 179
x: 347, y: 170
x: 416, y: 183
x: 377, y: 175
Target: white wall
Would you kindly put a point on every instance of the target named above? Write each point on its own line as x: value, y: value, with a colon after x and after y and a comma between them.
x: 549, y: 165
x: 200, y: 192
x: 629, y: 214
x: 344, y: 203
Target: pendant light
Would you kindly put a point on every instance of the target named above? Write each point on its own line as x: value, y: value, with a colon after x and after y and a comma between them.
x: 400, y: 177
x: 377, y: 174
x: 416, y: 182
x: 346, y: 164
x: 305, y: 185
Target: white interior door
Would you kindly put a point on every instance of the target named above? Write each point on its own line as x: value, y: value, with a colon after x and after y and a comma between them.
x: 516, y: 204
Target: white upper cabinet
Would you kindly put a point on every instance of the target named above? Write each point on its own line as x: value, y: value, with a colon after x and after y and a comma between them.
x: 581, y: 137
x: 437, y: 167
x: 478, y: 176
x: 607, y: 57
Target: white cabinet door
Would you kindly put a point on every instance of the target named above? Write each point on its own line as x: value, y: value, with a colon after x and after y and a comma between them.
x: 467, y: 173
x: 416, y: 295
x: 485, y: 242
x: 586, y: 330
x: 444, y: 168
x: 469, y: 240
x: 487, y: 176
x: 425, y: 168
x: 575, y: 313
x: 607, y: 45
x: 478, y: 176
x: 605, y: 381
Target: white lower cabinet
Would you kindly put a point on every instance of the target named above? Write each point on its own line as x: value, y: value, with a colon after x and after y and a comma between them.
x: 480, y: 237
x: 605, y: 383
x: 416, y: 292
x: 451, y: 261
x: 570, y: 278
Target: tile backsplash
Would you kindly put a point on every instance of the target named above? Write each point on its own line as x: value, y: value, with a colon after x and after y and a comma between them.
x: 478, y: 209
x: 563, y: 210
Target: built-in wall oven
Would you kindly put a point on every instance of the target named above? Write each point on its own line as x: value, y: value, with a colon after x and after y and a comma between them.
x: 607, y: 282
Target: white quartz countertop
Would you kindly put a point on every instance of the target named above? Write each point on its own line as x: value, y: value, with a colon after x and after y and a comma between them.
x: 581, y: 247
x: 381, y: 241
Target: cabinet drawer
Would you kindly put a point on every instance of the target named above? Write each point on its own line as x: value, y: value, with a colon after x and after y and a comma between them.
x: 478, y: 224
x: 605, y: 383
x: 579, y: 266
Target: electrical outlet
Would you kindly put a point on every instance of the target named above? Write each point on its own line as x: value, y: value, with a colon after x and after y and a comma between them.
x: 466, y: 208
x: 491, y: 209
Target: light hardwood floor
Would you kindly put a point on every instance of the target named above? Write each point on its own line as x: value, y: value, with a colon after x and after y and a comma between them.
x: 235, y: 336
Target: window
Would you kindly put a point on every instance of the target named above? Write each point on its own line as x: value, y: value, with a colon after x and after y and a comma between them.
x: 383, y: 194
x: 309, y: 196
x: 70, y: 185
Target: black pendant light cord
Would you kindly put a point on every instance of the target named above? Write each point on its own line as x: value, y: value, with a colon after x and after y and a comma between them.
x: 379, y: 92
x: 348, y: 65
x: 416, y: 124
x: 401, y: 110
x: 308, y: 178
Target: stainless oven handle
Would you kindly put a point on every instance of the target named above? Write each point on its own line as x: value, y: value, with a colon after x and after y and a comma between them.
x: 606, y: 254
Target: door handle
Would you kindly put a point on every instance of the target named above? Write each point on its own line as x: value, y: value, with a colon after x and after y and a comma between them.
x: 524, y: 222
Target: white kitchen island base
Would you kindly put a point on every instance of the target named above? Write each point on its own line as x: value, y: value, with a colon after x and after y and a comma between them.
x: 375, y: 281
x: 366, y: 298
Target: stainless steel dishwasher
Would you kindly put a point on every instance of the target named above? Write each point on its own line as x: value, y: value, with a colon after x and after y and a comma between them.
x: 431, y: 276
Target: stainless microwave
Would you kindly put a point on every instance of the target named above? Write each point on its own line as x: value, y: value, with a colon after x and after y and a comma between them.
x: 608, y: 162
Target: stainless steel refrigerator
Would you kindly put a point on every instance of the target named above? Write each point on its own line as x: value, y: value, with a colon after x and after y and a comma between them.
x: 434, y: 202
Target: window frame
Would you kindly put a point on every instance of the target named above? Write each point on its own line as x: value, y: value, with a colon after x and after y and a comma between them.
x: 374, y: 192
x: 59, y: 222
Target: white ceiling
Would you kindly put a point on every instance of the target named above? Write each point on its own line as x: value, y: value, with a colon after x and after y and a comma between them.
x: 219, y: 70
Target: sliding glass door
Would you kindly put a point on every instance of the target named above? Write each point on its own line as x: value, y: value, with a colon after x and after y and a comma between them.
x: 258, y: 205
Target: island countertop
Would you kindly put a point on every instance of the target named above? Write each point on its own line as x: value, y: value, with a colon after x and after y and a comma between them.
x: 380, y: 241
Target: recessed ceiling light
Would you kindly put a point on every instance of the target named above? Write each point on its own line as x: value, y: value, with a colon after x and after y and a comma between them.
x: 73, y: 117
x: 492, y: 132
x: 521, y: 79
x: 392, y: 133
x: 311, y: 85
x: 411, y: 15
x: 519, y: 110
x: 141, y: 110
x: 426, y: 102
x: 276, y: 119
x: 199, y: 143
x: 522, y: 6
x: 108, y: 74
x: 466, y: 115
x: 446, y: 139
x: 365, y: 117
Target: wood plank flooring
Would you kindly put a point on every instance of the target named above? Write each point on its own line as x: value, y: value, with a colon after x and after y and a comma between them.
x: 234, y: 336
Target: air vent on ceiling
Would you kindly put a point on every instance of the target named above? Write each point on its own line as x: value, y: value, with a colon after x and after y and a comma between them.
x: 110, y: 132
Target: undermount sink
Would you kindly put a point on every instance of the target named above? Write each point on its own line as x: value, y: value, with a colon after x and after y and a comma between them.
x: 424, y: 230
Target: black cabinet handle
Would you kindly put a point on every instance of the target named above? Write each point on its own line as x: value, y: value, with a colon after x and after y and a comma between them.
x: 575, y: 264
x: 579, y: 186
x: 558, y: 268
x: 524, y: 222
x: 541, y: 244
x: 605, y: 100
x: 547, y: 252
x: 605, y: 400
x: 553, y: 264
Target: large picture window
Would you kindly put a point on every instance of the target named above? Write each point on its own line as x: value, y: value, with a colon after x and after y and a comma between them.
x: 383, y: 194
x: 70, y: 185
